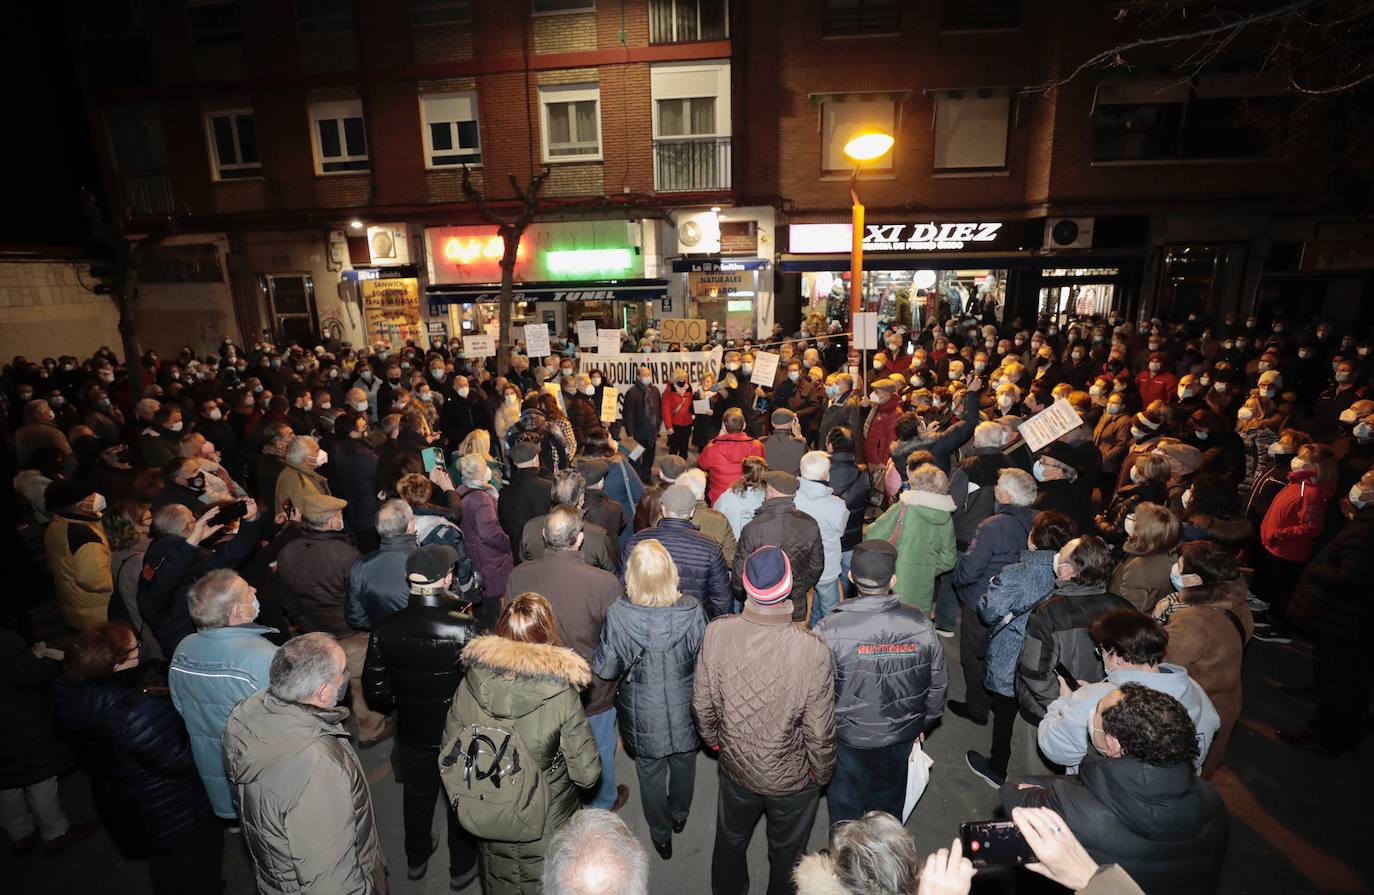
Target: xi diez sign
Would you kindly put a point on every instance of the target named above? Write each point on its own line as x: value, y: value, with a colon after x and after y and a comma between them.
x: 917, y: 236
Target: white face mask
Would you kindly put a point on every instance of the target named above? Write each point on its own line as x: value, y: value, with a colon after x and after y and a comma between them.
x: 321, y: 458
x: 1005, y: 401
x: 1245, y: 413
x: 588, y: 390
x: 794, y: 375
x: 174, y: 427
x: 876, y: 397
x: 510, y: 399
x: 360, y: 406
x: 1357, y: 496
x: 463, y: 392
x: 216, y: 414
x: 596, y: 380
x: 646, y: 381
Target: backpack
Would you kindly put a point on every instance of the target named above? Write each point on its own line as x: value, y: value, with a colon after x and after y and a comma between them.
x: 497, y: 790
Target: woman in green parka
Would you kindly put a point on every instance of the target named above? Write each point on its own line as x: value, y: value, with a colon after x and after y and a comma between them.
x: 522, y: 678
x: 920, y: 526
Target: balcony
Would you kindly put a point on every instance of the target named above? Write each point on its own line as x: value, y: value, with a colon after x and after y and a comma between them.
x: 692, y: 165
x: 147, y: 195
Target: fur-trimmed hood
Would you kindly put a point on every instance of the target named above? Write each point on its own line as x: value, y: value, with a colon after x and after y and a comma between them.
x: 534, y: 660
x: 815, y: 875
x: 927, y: 499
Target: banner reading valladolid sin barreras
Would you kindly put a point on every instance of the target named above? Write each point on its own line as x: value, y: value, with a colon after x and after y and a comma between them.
x: 623, y: 369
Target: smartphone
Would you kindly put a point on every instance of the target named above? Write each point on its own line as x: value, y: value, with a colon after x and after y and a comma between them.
x: 1063, y: 671
x: 995, y: 843
x: 431, y: 457
x: 228, y: 512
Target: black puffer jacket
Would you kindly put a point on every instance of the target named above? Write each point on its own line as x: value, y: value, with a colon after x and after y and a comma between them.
x: 700, y: 563
x: 779, y: 523
x: 1165, y: 826
x: 136, y: 752
x: 30, y: 749
x: 1332, y: 599
x: 851, y: 484
x: 655, y: 649
x: 1058, y: 632
x: 412, y: 666
x: 890, y: 671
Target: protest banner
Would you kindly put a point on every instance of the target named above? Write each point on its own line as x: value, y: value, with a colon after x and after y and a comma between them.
x: 479, y: 346
x: 537, y: 340
x: 765, y: 369
x: 1049, y: 424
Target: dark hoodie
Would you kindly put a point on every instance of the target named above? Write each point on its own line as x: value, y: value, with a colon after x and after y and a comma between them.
x: 1165, y: 826
x: 654, y: 649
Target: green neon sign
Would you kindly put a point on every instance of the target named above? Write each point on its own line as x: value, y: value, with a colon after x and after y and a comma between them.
x: 588, y: 261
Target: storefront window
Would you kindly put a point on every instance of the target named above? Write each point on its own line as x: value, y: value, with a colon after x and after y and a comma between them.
x: 907, y: 297
x: 1071, y: 292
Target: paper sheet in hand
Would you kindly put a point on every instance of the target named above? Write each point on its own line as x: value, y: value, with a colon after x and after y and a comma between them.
x: 610, y: 404
x: 536, y: 339
x: 765, y: 369
x: 479, y: 346
x: 608, y: 341
x: 586, y: 334
x: 1049, y: 424
x: 701, y: 406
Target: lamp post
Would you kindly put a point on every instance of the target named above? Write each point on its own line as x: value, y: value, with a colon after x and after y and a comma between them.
x: 866, y: 147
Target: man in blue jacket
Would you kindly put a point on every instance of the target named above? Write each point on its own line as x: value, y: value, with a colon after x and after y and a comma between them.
x: 227, y: 661
x: 699, y: 560
x: 890, y: 679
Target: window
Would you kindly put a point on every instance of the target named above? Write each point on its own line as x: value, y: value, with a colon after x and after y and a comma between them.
x: 971, y: 131
x: 675, y: 21
x: 841, y: 18
x: 234, y: 144
x: 440, y: 12
x: 198, y: 263
x: 691, y: 123
x: 1164, y: 119
x: 844, y: 119
x: 980, y: 15
x: 291, y: 301
x: 556, y: 6
x: 572, y: 123
x: 340, y: 137
x: 323, y: 17
x: 215, y: 22
x: 451, y: 136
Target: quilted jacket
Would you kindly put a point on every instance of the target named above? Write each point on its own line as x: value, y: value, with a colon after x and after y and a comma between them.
x: 654, y: 649
x: 701, y: 568
x: 79, y: 556
x: 780, y: 524
x: 764, y: 695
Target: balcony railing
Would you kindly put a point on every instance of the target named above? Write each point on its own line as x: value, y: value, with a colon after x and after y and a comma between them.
x: 692, y: 165
x: 147, y: 195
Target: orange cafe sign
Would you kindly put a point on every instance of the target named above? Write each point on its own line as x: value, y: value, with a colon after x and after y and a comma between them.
x: 466, y: 250
x: 548, y: 252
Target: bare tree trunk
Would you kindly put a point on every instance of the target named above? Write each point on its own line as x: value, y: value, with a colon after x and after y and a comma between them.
x: 133, y: 351
x: 506, y: 341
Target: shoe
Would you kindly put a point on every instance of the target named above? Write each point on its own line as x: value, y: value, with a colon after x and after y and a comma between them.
x: 1256, y: 604
x: 463, y: 880
x: 622, y: 795
x: 417, y: 871
x: 961, y: 709
x: 664, y: 849
x: 1272, y: 633
x: 944, y: 632
x: 21, y: 847
x: 980, y: 765
x: 75, y: 834
x: 679, y: 825
x: 1305, y: 739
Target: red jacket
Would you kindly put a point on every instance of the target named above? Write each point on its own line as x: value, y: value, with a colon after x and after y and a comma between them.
x: 1156, y: 387
x: 1294, y: 520
x: 882, y: 431
x: 721, y: 460
x: 677, y: 408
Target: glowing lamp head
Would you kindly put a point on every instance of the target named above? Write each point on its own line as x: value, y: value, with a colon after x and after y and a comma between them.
x: 869, y: 146
x: 356, y: 224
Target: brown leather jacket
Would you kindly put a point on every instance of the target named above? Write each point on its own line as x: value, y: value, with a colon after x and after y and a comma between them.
x: 764, y: 695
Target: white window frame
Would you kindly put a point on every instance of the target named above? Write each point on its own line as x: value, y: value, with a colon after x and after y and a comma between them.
x: 337, y: 111
x: 589, y: 7
x: 888, y: 124
x: 942, y: 115
x: 218, y: 166
x: 571, y: 93
x: 721, y: 94
x: 428, y: 118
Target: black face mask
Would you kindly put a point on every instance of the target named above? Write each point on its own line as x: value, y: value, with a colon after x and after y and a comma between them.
x: 196, y: 483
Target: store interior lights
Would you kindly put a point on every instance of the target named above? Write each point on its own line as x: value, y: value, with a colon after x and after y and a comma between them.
x: 587, y: 261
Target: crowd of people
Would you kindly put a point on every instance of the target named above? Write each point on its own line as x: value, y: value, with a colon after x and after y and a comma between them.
x: 267, y: 559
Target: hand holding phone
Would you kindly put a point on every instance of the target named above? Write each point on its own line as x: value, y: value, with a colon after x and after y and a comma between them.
x: 1066, y: 676
x: 431, y: 458
x: 995, y: 843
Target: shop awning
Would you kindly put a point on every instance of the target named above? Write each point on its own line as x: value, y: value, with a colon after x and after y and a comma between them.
x: 486, y: 293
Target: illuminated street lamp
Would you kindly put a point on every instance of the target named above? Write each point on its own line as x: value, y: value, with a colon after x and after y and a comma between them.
x: 866, y: 147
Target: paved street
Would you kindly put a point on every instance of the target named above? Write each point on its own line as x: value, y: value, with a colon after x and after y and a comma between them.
x: 1299, y: 825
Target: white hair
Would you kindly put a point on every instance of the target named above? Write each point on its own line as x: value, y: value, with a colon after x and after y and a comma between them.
x: 304, y: 664
x: 988, y: 435
x: 213, y: 597
x: 1019, y: 486
x: 694, y: 479
x: 393, y: 518
x: 815, y: 466
x: 562, y: 526
x: 595, y: 854
x: 301, y: 447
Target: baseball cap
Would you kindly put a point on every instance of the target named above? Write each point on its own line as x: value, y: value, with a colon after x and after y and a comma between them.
x: 426, y: 565
x: 873, y: 563
x: 781, y: 482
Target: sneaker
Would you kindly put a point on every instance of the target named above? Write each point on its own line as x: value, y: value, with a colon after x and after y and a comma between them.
x: 961, y: 710
x: 417, y: 871
x: 1272, y: 633
x: 982, y: 766
x: 944, y: 632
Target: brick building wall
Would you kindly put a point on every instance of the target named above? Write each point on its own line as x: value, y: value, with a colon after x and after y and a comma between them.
x: 46, y: 311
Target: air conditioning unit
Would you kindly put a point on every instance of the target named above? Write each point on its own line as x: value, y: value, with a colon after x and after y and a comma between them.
x: 698, y: 233
x: 388, y: 245
x: 1069, y: 233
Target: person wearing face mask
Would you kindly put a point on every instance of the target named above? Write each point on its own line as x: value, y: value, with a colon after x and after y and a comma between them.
x: 1112, y: 436
x: 584, y: 414
x: 1289, y: 532
x: 1331, y: 604
x: 352, y: 476
x: 1333, y: 407
x: 843, y: 407
x: 1078, y: 371
x: 485, y: 540
x: 1222, y: 450
x: 1258, y: 422
x: 301, y: 416
x: 880, y: 425
x: 678, y: 415
x: 186, y: 484
x: 228, y: 660
x: 1056, y: 471
x: 39, y: 431
x: 464, y: 411
x: 78, y: 553
x: 1156, y: 382
x: 300, y: 475
x: 642, y: 418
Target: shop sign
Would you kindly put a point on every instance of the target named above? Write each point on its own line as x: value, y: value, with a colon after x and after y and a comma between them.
x: 579, y: 250
x: 391, y: 310
x: 719, y: 284
x: 927, y: 236
x: 713, y: 265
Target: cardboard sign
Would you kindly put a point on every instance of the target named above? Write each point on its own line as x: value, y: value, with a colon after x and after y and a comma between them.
x: 479, y: 346
x: 586, y: 334
x: 438, y: 333
x: 866, y: 331
x: 610, y: 404
x: 765, y: 369
x: 537, y: 340
x: 681, y: 329
x: 1049, y: 424
x: 608, y: 341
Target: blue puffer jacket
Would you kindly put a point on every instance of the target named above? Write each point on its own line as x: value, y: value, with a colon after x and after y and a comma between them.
x: 655, y: 699
x: 211, y: 673
x: 134, y: 748
x: 997, y: 542
x: 700, y: 563
x: 1006, y: 607
x: 377, y: 582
